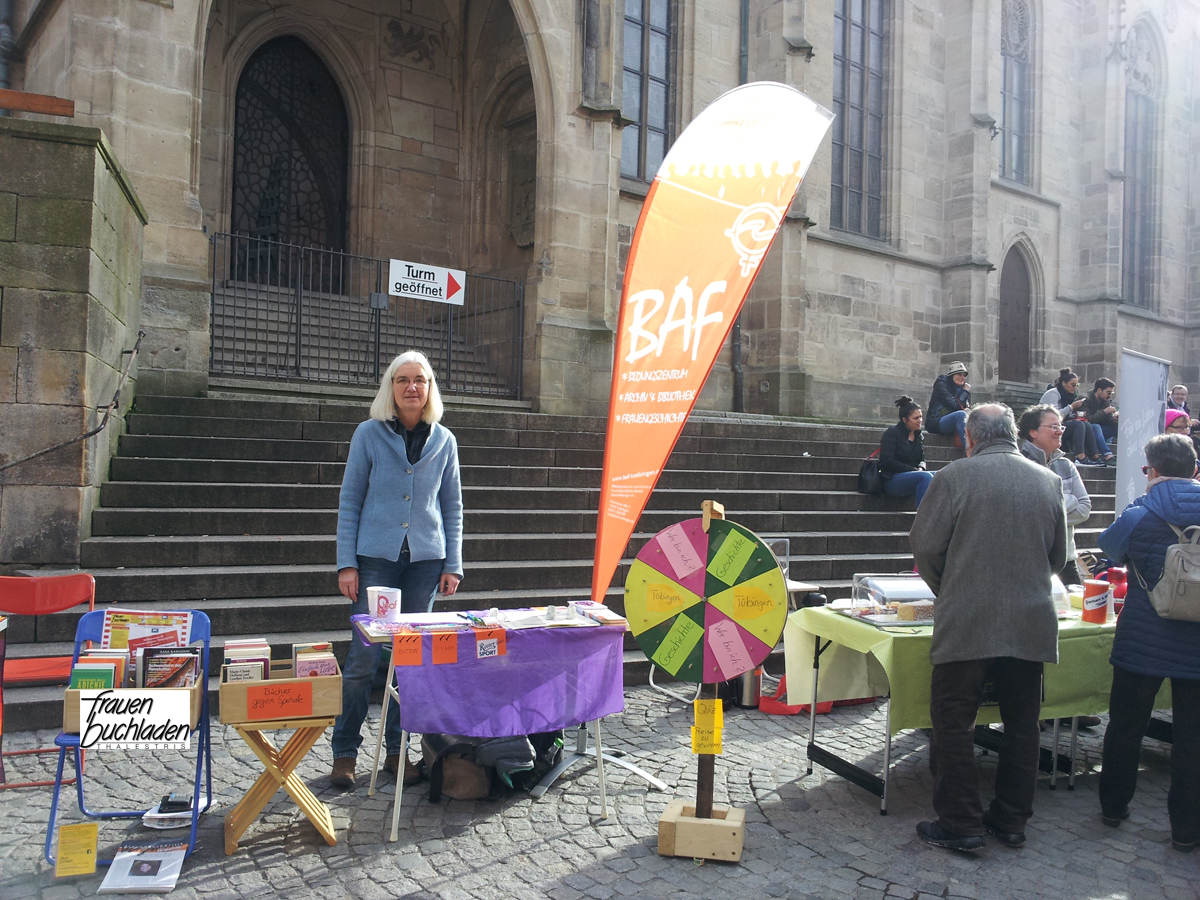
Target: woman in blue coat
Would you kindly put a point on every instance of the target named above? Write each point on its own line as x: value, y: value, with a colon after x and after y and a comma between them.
x: 1148, y: 648
x: 400, y: 521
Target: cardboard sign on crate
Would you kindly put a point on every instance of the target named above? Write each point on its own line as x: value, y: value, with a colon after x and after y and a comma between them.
x: 281, y: 697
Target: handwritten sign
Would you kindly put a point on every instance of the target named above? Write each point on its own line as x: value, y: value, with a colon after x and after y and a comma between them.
x: 76, y: 849
x: 735, y: 551
x: 679, y: 642
x: 663, y: 598
x: 709, y: 713
x: 680, y: 551
x: 406, y: 649
x: 445, y: 647
x: 751, y: 602
x: 490, y: 642
x: 728, y: 648
x: 279, y: 701
x: 706, y: 740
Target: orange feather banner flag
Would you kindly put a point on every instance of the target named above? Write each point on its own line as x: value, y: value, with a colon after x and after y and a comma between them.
x: 712, y: 212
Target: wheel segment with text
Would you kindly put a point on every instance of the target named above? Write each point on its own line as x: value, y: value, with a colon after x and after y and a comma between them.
x: 706, y: 607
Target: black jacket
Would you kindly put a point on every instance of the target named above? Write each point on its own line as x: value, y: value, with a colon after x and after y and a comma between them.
x: 897, y: 453
x: 1093, y: 410
x: 947, y: 397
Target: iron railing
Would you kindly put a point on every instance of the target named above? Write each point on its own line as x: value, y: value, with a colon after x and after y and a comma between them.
x: 288, y: 312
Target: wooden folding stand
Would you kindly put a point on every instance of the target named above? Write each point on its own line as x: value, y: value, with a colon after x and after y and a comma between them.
x: 280, y: 772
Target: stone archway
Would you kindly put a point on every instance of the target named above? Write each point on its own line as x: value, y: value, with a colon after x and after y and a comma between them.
x: 1016, y: 302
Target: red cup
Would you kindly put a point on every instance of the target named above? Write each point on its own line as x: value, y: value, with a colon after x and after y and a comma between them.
x: 1097, y: 597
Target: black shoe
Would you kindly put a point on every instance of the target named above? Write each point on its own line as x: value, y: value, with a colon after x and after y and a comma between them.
x: 1114, y: 821
x: 935, y: 834
x: 1007, y: 838
x: 1089, y: 721
x: 1185, y: 846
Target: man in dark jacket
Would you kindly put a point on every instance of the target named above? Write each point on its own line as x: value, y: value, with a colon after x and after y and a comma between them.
x: 1102, y: 415
x: 1148, y: 648
x: 949, y: 402
x: 987, y: 539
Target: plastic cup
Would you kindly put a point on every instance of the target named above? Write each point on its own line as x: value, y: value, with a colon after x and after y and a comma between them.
x: 384, y: 603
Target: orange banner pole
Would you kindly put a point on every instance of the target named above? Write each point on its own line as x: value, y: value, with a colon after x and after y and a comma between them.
x: 710, y: 217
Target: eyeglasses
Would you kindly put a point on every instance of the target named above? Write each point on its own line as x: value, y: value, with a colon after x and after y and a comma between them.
x: 404, y: 381
x: 1145, y: 470
x: 1178, y: 426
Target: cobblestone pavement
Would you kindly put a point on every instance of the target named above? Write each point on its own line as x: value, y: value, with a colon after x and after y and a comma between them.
x: 812, y: 836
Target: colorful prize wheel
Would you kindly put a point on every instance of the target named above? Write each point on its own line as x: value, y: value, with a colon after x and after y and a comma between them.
x: 706, y: 607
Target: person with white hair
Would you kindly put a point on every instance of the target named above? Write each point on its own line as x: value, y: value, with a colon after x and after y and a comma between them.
x: 400, y: 522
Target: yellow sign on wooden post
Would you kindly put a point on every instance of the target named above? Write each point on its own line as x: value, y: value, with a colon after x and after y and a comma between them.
x: 706, y: 740
x: 76, y: 849
x: 710, y: 721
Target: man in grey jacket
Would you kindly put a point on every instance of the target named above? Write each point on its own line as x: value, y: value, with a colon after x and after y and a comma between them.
x: 987, y: 539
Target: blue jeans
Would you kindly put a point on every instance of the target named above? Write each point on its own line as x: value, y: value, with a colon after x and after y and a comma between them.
x: 908, y: 484
x: 956, y: 421
x: 418, y: 582
x: 1101, y: 432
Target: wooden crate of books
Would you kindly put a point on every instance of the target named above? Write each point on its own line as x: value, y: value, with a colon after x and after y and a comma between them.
x: 281, y: 697
x: 71, y: 705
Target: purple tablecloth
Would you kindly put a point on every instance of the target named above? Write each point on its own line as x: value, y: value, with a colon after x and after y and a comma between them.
x: 549, y: 678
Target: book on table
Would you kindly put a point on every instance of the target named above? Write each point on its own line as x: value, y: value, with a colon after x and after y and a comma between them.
x: 92, y: 677
x: 145, y: 867
x: 175, y: 667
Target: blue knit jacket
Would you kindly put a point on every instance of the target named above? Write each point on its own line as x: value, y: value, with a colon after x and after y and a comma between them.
x: 384, y: 499
x: 1145, y: 642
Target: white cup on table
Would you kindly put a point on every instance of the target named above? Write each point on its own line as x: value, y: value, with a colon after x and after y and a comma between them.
x: 384, y: 603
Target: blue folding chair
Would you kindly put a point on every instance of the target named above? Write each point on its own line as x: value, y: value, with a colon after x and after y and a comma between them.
x: 89, y: 629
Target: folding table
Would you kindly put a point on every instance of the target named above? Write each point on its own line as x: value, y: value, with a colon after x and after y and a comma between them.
x: 546, y: 679
x: 865, y: 661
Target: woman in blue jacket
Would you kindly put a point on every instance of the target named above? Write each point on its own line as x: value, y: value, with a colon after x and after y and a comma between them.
x: 400, y: 520
x: 1148, y: 648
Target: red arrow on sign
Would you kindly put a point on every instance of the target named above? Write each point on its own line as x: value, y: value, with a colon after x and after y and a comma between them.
x: 452, y: 286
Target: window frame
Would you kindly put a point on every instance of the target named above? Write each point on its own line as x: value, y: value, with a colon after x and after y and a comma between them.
x: 872, y: 108
x: 1016, y: 102
x: 1142, y: 132
x: 639, y: 123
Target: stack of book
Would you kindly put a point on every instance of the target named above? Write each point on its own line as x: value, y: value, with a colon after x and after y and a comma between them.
x: 246, y: 659
x: 598, y: 612
x: 313, y: 660
x: 98, y: 670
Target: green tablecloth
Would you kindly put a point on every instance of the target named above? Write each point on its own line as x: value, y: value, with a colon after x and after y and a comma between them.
x: 865, y: 661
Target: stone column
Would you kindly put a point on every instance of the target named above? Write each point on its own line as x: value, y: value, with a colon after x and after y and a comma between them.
x: 70, y: 274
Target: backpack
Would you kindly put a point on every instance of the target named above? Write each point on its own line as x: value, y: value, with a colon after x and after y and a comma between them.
x: 449, y: 761
x: 1177, y: 594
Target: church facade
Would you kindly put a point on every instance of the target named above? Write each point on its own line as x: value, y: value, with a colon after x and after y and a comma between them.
x: 1009, y: 183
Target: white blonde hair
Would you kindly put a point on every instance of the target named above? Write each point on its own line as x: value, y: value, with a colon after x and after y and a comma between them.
x: 383, y: 407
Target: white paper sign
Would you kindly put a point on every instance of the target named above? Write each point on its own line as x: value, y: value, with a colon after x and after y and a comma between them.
x: 422, y: 282
x: 141, y: 719
x: 1143, y: 398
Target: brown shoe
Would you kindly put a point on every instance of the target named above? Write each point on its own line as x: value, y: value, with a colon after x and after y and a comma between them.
x: 343, y: 772
x: 411, y: 774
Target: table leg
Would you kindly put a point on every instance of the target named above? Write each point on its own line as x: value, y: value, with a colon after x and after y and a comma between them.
x: 1074, y: 747
x: 280, y: 766
x: 812, y: 709
x: 387, y: 694
x: 1054, y: 756
x: 399, y: 785
x: 600, y: 772
x: 887, y: 756
x: 582, y: 752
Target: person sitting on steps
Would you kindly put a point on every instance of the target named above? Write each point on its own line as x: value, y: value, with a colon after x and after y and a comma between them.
x: 949, y: 403
x: 1103, y: 416
x: 902, y: 456
x: 1077, y: 439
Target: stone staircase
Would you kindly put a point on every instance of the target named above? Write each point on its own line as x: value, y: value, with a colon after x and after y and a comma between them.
x: 228, y: 504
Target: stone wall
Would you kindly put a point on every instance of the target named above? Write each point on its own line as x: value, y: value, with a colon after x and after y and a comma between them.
x: 70, y: 276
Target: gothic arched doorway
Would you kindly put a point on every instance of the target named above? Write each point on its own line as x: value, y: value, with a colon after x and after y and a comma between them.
x: 290, y: 149
x: 1016, y: 297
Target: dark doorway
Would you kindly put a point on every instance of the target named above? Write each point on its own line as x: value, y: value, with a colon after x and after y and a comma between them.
x: 290, y: 149
x: 1016, y: 296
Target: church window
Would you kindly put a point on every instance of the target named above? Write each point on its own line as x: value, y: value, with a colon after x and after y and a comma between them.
x: 646, y: 87
x: 1141, y: 125
x: 856, y: 202
x: 1016, y: 91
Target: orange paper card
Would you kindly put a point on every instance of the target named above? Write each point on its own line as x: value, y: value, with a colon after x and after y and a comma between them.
x: 406, y: 649
x: 445, y: 647
x: 279, y: 701
x: 489, y: 642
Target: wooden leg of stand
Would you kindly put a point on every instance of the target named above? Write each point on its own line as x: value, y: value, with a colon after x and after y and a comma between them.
x: 705, y: 767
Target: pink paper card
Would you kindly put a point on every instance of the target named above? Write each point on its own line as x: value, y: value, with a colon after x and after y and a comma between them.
x: 680, y: 551
x: 728, y: 649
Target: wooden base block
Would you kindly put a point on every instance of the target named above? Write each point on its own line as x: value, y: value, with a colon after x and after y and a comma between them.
x: 680, y: 833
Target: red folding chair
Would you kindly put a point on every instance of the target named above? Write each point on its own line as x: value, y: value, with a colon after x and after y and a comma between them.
x: 38, y: 596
